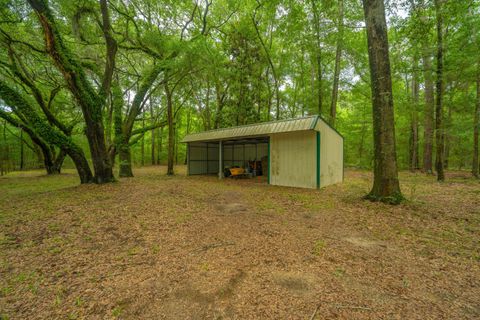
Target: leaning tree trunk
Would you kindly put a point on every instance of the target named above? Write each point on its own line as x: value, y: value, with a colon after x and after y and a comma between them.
x: 81, y: 88
x: 39, y: 126
x: 58, y: 163
x: 439, y: 135
x: 386, y: 186
x: 476, y: 128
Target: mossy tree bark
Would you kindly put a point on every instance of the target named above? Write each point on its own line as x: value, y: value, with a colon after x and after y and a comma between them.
x: 124, y: 128
x: 90, y: 101
x: 51, y: 162
x: 125, y: 158
x: 386, y: 186
x: 46, y: 132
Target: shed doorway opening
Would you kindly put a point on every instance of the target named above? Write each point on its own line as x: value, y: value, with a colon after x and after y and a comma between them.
x: 246, y: 157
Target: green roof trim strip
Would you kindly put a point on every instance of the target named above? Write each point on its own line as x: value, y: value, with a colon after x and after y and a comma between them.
x: 318, y: 159
x: 314, y: 123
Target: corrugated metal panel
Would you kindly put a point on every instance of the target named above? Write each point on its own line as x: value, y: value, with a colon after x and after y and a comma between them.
x: 331, y: 155
x: 258, y: 129
x: 293, y: 159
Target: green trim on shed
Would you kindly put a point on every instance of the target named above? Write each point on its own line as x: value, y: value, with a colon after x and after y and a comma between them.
x: 268, y: 155
x: 318, y: 159
x: 314, y: 123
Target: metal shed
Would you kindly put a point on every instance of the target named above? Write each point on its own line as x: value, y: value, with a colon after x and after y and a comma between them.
x: 303, y: 152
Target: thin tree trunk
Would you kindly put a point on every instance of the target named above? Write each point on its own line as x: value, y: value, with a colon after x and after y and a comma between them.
x: 220, y: 104
x: 171, y: 129
x: 428, y: 123
x: 22, y: 151
x: 175, y: 130
x: 318, y: 57
x: 5, y: 153
x: 152, y: 121
x: 272, y: 66
x: 338, y: 55
x: 208, y: 117
x: 143, y: 140
x: 362, y: 141
x: 188, y: 131
x: 38, y: 153
x: 476, y: 128
x: 439, y: 99
x: 269, y: 98
x: 386, y: 186
x: 160, y: 145
x: 447, y: 136
x: 414, y: 161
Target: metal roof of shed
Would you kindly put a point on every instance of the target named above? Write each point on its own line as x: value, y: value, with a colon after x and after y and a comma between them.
x: 257, y: 129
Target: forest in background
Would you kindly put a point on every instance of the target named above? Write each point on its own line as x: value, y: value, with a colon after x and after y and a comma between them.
x: 164, y: 69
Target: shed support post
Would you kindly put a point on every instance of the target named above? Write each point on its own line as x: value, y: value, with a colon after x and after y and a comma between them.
x: 188, y: 159
x: 220, y: 160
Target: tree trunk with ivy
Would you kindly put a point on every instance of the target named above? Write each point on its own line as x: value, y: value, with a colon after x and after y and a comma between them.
x: 125, y: 159
x: 45, y: 152
x: 90, y: 101
x: 124, y: 128
x: 40, y: 127
x: 386, y: 186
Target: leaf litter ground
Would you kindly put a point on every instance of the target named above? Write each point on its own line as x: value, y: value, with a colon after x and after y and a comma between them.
x: 158, y: 247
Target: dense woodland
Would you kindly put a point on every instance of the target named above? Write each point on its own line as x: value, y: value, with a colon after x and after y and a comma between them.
x: 96, y: 85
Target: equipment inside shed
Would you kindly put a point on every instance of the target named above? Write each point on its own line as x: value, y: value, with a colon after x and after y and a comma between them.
x: 241, y: 158
x: 245, y: 158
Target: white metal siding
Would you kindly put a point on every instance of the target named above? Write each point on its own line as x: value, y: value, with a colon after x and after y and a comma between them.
x: 331, y: 155
x: 293, y: 159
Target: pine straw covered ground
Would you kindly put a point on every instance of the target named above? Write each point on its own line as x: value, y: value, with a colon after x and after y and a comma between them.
x: 157, y: 247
